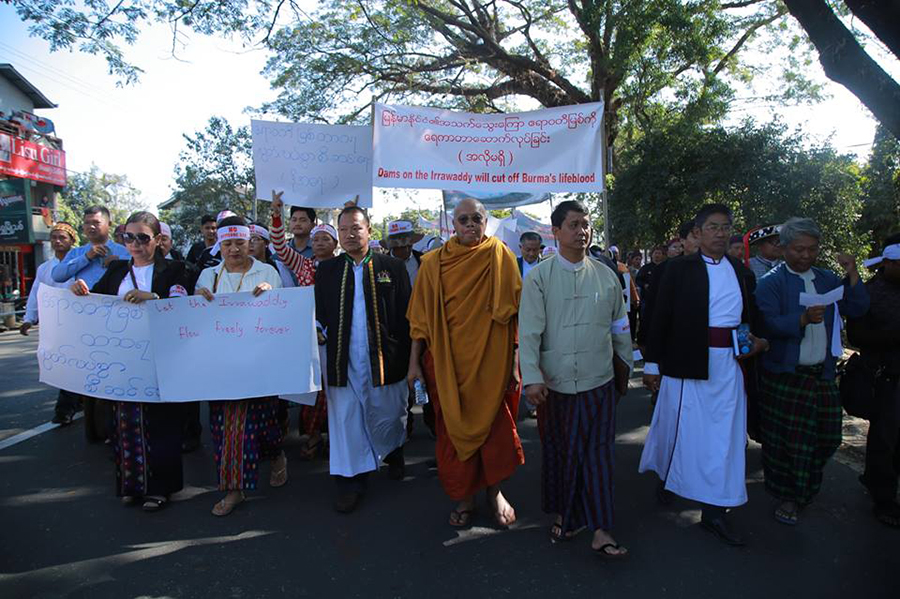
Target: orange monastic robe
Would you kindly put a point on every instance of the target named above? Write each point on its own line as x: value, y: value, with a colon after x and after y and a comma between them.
x: 464, y: 307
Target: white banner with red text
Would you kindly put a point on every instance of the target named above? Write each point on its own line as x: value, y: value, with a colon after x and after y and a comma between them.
x: 318, y: 166
x: 548, y: 150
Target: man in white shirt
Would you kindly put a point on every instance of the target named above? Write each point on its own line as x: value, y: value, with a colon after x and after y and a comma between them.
x: 62, y: 238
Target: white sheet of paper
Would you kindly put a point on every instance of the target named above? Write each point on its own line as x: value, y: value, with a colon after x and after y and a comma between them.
x: 321, y: 166
x: 822, y: 299
x: 638, y: 356
x: 237, y: 346
x: 96, y: 345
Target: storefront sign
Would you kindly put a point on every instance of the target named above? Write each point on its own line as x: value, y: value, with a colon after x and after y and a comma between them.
x: 28, y: 160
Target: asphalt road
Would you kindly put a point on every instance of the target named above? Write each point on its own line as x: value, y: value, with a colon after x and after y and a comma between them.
x: 64, y: 533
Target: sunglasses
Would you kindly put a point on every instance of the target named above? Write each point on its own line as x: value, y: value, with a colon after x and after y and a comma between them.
x: 139, y: 238
x: 475, y: 218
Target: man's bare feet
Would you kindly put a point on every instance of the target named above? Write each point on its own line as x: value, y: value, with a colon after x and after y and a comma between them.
x: 605, y: 545
x: 504, y: 513
x: 462, y: 514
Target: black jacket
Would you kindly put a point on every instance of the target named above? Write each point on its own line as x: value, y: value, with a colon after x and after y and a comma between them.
x: 386, y: 289
x: 677, y: 335
x: 166, y: 275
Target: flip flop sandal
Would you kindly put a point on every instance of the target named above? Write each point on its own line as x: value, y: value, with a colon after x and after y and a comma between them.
x: 463, y: 517
x: 154, y: 503
x: 786, y: 516
x: 558, y: 536
x: 223, y: 507
x: 602, y: 551
x: 279, y: 477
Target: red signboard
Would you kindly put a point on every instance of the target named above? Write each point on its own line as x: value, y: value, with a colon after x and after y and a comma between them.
x: 28, y: 160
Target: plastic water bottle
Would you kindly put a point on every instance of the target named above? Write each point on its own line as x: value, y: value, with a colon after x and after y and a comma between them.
x: 421, y: 393
x: 744, y: 344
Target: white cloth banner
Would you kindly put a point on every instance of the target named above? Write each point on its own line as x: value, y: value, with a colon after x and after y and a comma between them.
x: 96, y: 345
x: 319, y: 166
x: 549, y: 150
x: 237, y: 346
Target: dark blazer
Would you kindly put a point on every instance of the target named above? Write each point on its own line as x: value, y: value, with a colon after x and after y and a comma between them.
x: 387, y: 290
x: 176, y: 255
x: 678, y: 321
x: 166, y: 275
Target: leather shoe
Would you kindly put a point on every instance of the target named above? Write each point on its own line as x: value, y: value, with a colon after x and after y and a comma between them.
x: 347, y: 502
x: 397, y: 469
x: 62, y: 419
x: 719, y: 526
x: 664, y: 496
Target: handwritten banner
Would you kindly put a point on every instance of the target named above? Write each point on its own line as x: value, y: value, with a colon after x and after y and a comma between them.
x: 96, y: 345
x: 319, y: 166
x: 550, y: 150
x: 237, y: 346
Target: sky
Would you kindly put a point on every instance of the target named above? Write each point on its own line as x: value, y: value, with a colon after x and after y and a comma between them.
x: 137, y: 130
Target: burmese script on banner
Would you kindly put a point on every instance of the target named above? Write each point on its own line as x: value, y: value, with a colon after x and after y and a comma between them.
x: 549, y: 150
x: 96, y: 345
x: 180, y: 349
x: 320, y: 166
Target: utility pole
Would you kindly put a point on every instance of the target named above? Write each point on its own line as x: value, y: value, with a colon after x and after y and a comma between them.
x: 605, y: 166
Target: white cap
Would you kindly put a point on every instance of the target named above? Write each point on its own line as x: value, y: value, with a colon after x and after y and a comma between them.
x: 398, y: 227
x: 164, y: 229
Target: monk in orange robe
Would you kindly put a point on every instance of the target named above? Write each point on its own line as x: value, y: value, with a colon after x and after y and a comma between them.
x: 462, y: 318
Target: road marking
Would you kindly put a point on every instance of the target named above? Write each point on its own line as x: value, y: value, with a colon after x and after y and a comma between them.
x: 24, y: 436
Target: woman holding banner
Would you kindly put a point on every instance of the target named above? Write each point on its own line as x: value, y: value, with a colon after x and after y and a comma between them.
x: 146, y: 436
x: 244, y: 431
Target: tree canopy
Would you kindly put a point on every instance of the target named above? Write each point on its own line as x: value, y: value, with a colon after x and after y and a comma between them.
x: 763, y: 173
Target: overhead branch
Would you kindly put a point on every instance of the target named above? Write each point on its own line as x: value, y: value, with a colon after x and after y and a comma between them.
x: 847, y: 63
x: 757, y: 25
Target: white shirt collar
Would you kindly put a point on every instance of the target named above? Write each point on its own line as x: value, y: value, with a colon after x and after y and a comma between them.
x: 809, y: 274
x: 573, y: 266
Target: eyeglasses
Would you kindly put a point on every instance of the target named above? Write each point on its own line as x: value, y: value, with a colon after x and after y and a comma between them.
x: 139, y: 238
x: 717, y: 228
x: 475, y: 218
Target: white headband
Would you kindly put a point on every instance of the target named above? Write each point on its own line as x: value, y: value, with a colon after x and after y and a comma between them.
x: 260, y: 231
x: 891, y: 252
x: 233, y: 232
x: 324, y: 229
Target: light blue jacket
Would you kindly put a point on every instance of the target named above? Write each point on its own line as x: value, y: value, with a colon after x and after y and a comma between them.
x: 78, y: 266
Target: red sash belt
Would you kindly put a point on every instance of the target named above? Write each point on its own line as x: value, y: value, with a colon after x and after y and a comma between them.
x: 720, y: 337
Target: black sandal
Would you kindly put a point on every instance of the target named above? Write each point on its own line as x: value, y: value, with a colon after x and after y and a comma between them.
x: 557, y: 535
x: 463, y: 517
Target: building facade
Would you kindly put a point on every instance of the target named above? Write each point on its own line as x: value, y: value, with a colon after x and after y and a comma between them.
x: 32, y: 173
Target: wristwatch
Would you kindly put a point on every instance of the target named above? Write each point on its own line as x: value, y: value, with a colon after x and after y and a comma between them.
x: 155, y: 295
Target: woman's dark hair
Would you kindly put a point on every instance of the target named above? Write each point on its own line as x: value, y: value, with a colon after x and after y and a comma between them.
x: 232, y: 221
x: 145, y: 218
x: 150, y: 220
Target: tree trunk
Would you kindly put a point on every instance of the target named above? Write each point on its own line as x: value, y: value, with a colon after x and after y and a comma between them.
x: 882, y: 17
x: 847, y: 63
